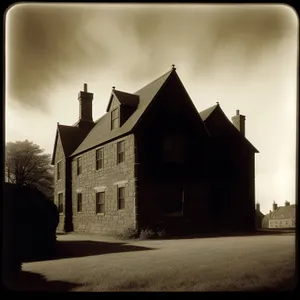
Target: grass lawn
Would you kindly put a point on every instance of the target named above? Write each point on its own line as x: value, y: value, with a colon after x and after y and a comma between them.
x: 94, y: 263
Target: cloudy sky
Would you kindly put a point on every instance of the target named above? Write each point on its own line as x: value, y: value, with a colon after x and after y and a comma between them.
x: 242, y: 56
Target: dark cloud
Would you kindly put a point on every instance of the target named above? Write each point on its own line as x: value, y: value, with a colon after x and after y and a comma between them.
x: 50, y: 44
x: 201, y: 33
x: 46, y: 46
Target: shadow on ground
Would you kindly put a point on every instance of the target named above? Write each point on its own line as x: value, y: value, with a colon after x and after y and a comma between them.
x: 29, y: 281
x: 69, y: 249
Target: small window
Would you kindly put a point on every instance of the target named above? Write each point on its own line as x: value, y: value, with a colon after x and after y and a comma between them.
x: 100, y: 202
x: 79, y: 165
x: 79, y: 202
x: 120, y: 152
x: 99, y: 159
x: 60, y: 203
x: 59, y: 170
x: 115, y: 118
x: 121, y: 198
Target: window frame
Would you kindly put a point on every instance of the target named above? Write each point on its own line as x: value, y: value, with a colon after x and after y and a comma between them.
x: 100, y: 159
x: 121, y: 200
x: 59, y: 170
x: 116, y: 118
x: 79, y: 197
x: 79, y: 167
x: 100, y: 205
x: 120, y: 153
x: 60, y: 203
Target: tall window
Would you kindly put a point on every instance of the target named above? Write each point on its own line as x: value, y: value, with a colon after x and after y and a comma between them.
x: 120, y: 152
x: 121, y: 197
x: 79, y: 202
x: 79, y: 165
x: 59, y: 170
x: 60, y: 203
x: 114, y: 118
x: 100, y: 202
x: 99, y: 159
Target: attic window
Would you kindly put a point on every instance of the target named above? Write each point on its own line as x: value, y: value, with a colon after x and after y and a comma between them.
x: 59, y: 170
x: 114, y: 118
x: 79, y: 165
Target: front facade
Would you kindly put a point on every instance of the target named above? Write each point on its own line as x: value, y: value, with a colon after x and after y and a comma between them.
x: 153, y: 160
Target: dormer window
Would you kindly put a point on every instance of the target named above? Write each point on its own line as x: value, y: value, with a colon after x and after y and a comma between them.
x: 115, y: 118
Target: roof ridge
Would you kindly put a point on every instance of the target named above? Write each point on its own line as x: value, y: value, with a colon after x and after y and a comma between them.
x: 118, y: 91
x: 170, y: 71
x: 213, y: 106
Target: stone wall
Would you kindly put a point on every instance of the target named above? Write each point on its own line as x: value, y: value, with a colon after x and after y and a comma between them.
x: 60, y: 185
x: 107, y: 180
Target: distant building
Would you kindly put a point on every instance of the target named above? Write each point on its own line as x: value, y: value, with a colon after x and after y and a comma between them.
x: 281, y: 217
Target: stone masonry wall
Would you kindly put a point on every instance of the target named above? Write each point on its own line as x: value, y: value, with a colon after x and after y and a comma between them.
x: 60, y: 185
x: 107, y: 179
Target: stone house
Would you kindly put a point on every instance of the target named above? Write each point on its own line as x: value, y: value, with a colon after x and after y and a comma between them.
x: 153, y: 160
x: 281, y: 216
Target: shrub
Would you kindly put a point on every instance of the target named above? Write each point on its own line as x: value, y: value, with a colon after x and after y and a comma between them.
x: 147, y: 234
x: 128, y: 233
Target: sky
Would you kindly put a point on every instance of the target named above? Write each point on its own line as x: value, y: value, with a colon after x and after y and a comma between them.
x: 242, y: 56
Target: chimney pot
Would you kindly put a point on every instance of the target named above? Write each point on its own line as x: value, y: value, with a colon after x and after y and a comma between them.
x: 239, y: 122
x: 85, y: 87
x: 257, y: 206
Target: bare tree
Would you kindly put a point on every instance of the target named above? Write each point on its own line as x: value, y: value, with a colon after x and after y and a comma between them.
x: 27, y: 164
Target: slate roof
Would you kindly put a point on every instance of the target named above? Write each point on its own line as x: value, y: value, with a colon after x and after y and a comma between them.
x: 102, y: 133
x: 221, y: 126
x: 70, y: 137
x: 124, y: 98
x: 283, y: 212
x: 204, y: 114
x: 76, y: 140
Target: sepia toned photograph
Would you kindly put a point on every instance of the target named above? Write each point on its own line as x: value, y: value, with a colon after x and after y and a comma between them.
x: 150, y: 147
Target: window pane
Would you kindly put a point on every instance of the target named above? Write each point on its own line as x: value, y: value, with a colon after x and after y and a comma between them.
x: 114, y: 123
x: 121, y: 203
x: 121, y: 192
x: 121, y: 146
x: 101, y: 208
x: 114, y: 114
x: 101, y: 198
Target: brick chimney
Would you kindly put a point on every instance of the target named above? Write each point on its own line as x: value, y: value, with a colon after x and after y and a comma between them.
x: 274, y: 206
x: 286, y: 203
x: 85, y: 105
x: 239, y: 122
x: 257, y: 207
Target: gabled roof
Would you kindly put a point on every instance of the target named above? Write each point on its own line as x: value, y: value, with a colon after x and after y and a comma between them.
x: 206, y: 113
x: 219, y: 125
x: 102, y: 132
x: 70, y: 137
x: 124, y: 98
x: 283, y: 212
